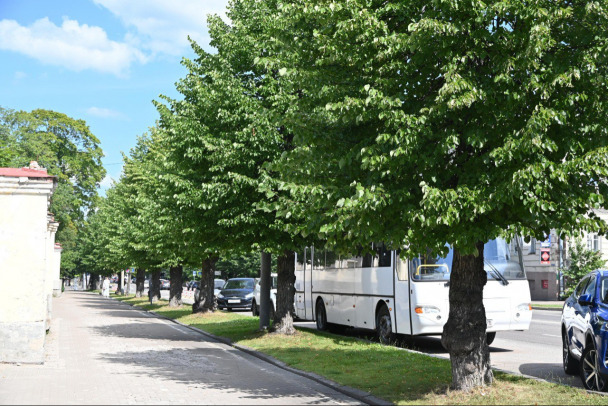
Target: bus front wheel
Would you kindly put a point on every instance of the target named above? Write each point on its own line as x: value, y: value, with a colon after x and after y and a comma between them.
x: 321, y: 316
x: 384, y: 326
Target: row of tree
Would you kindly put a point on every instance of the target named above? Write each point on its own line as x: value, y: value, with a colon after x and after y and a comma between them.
x: 413, y: 123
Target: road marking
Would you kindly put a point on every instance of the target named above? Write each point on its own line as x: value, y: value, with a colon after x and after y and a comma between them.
x: 546, y: 322
x: 551, y: 335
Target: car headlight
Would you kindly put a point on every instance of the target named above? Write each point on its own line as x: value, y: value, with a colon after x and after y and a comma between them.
x: 427, y: 310
x: 219, y: 295
x: 249, y: 295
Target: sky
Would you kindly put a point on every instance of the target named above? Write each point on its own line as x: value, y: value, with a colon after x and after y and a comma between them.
x: 102, y: 61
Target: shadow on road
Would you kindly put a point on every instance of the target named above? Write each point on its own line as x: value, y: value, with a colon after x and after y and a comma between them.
x: 550, y: 372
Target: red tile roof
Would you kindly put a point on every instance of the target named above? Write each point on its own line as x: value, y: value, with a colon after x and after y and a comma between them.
x: 24, y: 172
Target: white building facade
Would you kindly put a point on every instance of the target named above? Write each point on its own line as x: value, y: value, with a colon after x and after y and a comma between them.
x: 28, y: 262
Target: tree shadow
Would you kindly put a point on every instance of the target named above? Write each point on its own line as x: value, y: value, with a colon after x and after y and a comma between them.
x: 225, y: 374
x: 551, y: 372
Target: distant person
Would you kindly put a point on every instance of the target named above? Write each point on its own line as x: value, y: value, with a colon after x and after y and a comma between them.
x: 105, y: 287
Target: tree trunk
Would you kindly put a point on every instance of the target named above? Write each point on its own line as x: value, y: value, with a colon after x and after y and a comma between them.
x: 94, y: 283
x: 140, y: 282
x: 204, y: 301
x: 464, y: 334
x: 120, y: 288
x: 175, y: 289
x: 154, y: 287
x: 286, y: 278
x: 265, y: 282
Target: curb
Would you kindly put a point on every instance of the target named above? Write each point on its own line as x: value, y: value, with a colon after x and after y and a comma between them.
x: 362, y: 396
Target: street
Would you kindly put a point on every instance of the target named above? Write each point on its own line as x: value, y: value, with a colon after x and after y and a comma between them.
x: 100, y: 351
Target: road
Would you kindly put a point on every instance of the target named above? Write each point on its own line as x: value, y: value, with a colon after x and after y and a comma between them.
x: 101, y: 351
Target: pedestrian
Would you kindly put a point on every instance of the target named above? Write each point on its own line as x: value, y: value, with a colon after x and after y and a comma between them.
x: 105, y: 287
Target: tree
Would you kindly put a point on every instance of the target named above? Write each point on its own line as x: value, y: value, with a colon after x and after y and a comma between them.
x: 218, y: 140
x: 421, y: 123
x: 67, y: 149
x: 581, y: 261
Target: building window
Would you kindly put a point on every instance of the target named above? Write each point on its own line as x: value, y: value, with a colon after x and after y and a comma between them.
x: 593, y: 242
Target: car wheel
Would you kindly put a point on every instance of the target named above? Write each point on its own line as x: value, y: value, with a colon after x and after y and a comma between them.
x: 254, y: 309
x: 384, y: 326
x: 571, y: 366
x: 590, y: 370
x: 271, y: 311
x: 321, y: 316
x: 490, y: 337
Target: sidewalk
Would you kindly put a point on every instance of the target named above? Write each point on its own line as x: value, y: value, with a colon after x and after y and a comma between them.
x: 100, y: 351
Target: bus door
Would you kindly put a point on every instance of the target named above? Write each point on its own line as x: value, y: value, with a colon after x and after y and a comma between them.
x: 402, y: 296
x: 308, y: 284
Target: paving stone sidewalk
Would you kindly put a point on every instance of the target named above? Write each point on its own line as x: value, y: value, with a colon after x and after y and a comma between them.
x: 100, y: 351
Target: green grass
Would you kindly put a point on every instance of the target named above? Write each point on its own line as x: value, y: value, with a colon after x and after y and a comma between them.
x: 387, y: 372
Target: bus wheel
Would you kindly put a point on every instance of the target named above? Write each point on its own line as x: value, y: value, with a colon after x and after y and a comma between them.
x: 384, y: 326
x: 321, y: 316
x: 490, y: 337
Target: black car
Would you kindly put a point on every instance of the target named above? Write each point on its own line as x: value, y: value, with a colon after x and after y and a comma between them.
x: 236, y: 294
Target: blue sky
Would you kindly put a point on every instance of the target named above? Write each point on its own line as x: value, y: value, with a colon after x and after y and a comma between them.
x: 102, y: 61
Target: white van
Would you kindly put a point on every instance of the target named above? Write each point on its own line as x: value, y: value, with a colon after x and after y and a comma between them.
x: 255, y: 305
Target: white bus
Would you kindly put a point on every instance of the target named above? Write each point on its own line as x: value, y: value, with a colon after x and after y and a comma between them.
x: 393, y: 296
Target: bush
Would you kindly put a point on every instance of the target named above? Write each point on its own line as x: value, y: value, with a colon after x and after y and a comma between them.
x: 582, y: 261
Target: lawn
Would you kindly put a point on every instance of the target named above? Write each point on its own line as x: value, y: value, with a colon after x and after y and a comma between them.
x: 391, y: 373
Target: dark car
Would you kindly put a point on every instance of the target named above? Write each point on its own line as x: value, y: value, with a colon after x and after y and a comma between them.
x: 585, y: 331
x: 237, y: 293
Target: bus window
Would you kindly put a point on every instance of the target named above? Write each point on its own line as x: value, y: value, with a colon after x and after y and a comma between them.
x: 319, y: 259
x: 382, y: 255
x: 428, y: 268
x: 500, y: 256
x: 332, y: 260
x: 401, y: 269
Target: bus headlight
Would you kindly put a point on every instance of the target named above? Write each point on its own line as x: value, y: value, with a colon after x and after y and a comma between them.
x: 427, y: 310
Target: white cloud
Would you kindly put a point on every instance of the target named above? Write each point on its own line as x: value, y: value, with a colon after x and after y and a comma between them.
x: 163, y: 26
x: 107, y: 182
x: 105, y: 113
x: 71, y: 45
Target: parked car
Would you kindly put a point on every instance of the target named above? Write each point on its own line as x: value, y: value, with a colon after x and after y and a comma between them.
x: 255, y: 305
x: 192, y: 285
x: 165, y: 284
x: 237, y: 293
x: 585, y: 331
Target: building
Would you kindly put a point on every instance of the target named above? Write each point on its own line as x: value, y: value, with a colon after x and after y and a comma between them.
x: 28, y: 262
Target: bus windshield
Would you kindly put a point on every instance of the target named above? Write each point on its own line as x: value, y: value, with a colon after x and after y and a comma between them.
x: 499, y: 262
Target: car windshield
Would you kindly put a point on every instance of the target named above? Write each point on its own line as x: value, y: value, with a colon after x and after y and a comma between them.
x: 498, y: 258
x: 604, y: 289
x: 239, y: 284
x: 218, y: 284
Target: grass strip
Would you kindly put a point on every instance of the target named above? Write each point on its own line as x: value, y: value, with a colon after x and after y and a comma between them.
x: 399, y: 376
x: 547, y: 306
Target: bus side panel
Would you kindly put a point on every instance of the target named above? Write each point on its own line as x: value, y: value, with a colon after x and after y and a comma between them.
x: 429, y: 294
x: 501, y: 304
x: 365, y: 309
x: 374, y: 281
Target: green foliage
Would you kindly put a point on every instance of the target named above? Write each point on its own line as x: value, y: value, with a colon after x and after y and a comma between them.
x: 581, y: 262
x: 418, y: 123
x: 67, y: 149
